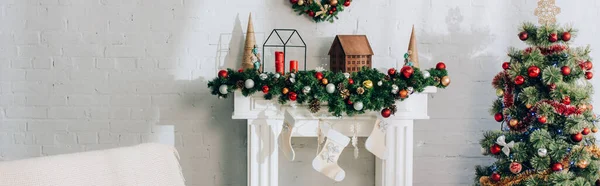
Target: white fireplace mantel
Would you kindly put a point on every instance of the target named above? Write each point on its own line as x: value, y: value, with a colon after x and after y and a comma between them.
x: 265, y: 120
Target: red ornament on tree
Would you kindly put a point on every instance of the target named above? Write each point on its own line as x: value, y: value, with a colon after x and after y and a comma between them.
x: 515, y: 167
x: 495, y: 177
x: 223, y: 73
x: 294, y: 1
x: 407, y: 71
x: 565, y: 70
x: 519, y: 80
x: 586, y: 131
x: 293, y: 96
x: 350, y: 81
x: 557, y: 167
x: 505, y: 65
x: 319, y: 75
x: 386, y: 112
x: 241, y: 70
x: 552, y: 86
x: 498, y: 117
x: 542, y: 119
x: 348, y: 101
x: 265, y: 89
x: 533, y: 71
x: 523, y: 36
x: 347, y: 3
x: 553, y: 37
x: 391, y: 71
x: 310, y: 13
x: 566, y: 36
x: 440, y: 66
x: 566, y: 100
x: 577, y: 137
x: 330, y: 11
x: 495, y: 149
x: 589, y: 75
x: 588, y: 65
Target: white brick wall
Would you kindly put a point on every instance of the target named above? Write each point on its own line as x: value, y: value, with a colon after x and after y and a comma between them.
x: 80, y: 75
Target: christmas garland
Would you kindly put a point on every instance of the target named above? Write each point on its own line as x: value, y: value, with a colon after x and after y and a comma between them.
x: 320, y: 10
x: 367, y: 89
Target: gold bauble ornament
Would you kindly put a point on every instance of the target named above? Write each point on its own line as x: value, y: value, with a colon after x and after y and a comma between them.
x: 324, y: 81
x: 595, y: 129
x: 445, y: 81
x: 333, y: 2
x: 582, y: 164
x: 528, y: 106
x: 300, y: 2
x: 285, y: 90
x: 368, y: 84
x: 499, y: 92
x: 403, y: 94
x: 513, y: 122
x: 360, y: 90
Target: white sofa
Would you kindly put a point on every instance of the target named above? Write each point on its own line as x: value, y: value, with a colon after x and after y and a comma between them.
x: 145, y: 164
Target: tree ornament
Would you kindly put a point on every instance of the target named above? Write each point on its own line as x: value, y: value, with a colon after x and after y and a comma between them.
x: 515, y: 167
x: 330, y: 12
x: 588, y: 65
x: 542, y: 119
x: 300, y: 2
x: 445, y: 81
x: 595, y: 129
x: 407, y: 71
x: 263, y: 76
x: 552, y: 86
x: 347, y: 75
x: 285, y: 90
x: 577, y: 137
x: 528, y: 106
x: 386, y: 112
x: 249, y: 83
x: 542, y: 152
x: 223, y: 73
x: 358, y: 106
x: 566, y: 36
x: 265, y: 89
x: 315, y: 106
x: 440, y: 66
x: 513, y: 122
x: 324, y: 81
x: 523, y: 36
x: 277, y: 76
x: 223, y: 89
x: 294, y: 1
x: 553, y: 37
x: 589, y: 75
x: 557, y: 167
x: 519, y: 80
x: 505, y: 65
x: 410, y: 90
x: 495, y: 149
x: 347, y: 3
x: 319, y: 75
x: 350, y: 81
x: 360, y: 90
x: 330, y: 88
x: 585, y: 131
x: 306, y: 89
x: 310, y: 13
x: 240, y: 70
x: 345, y: 94
x: 368, y: 84
x: 333, y: 2
x: 349, y: 102
x: 495, y: 176
x: 499, y: 92
x: 533, y: 71
x: 582, y: 164
x: 565, y: 70
x: 293, y: 96
x: 379, y: 83
x: 292, y: 80
x: 426, y: 74
x: 498, y: 117
x: 403, y: 94
x: 391, y: 71
x: 566, y: 100
x: 395, y: 89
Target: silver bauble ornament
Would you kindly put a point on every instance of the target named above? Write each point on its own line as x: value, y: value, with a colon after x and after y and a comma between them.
x: 426, y: 74
x: 293, y: 75
x: 263, y: 76
x: 330, y: 88
x: 306, y: 89
x: 410, y: 90
x: 292, y: 80
x: 223, y: 89
x: 395, y: 89
x: 379, y: 83
x: 347, y: 75
x: 277, y: 76
x: 358, y: 106
x: 542, y: 152
x: 249, y: 83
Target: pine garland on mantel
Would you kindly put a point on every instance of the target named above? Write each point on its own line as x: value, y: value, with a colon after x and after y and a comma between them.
x: 356, y: 93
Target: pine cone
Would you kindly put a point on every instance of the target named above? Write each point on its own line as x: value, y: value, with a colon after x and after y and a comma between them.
x: 345, y: 93
x: 394, y: 109
x: 360, y: 90
x: 239, y: 84
x: 341, y: 87
x: 387, y: 77
x: 315, y: 106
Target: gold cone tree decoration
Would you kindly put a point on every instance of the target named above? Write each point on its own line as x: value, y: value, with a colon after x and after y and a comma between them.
x: 248, y: 60
x: 413, y: 52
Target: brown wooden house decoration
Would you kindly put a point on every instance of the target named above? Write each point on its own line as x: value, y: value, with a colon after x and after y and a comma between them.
x: 349, y: 53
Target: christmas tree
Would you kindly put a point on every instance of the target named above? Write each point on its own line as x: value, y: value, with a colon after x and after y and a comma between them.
x: 545, y: 113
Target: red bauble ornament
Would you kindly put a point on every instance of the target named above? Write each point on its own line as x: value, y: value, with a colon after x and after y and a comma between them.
x: 319, y: 75
x: 519, y: 80
x: 588, y: 65
x: 542, y: 119
x: 241, y: 70
x: 523, y: 36
x: 495, y: 149
x: 566, y: 100
x: 334, y: 8
x: 294, y: 1
x: 495, y: 176
x: 391, y: 71
x: 505, y: 65
x: 265, y: 89
x: 552, y: 86
x: 557, y: 167
x: 498, y: 117
x: 310, y: 13
x: 565, y: 70
x: 566, y: 36
x: 586, y: 131
x: 223, y: 73
x: 553, y: 37
x: 440, y: 66
x: 533, y: 71
x: 407, y: 71
x: 386, y: 112
x: 293, y: 96
x: 589, y: 75
x: 347, y: 3
x: 577, y: 137
x: 330, y: 11
x: 349, y: 102
x: 515, y: 167
x: 350, y: 81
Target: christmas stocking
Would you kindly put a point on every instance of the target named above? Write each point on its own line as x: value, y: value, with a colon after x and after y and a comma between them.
x: 285, y: 141
x: 376, y: 141
x: 326, y: 160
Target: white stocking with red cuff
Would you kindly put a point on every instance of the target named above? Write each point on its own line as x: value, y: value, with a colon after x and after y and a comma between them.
x: 326, y: 160
x: 376, y: 141
x: 285, y: 141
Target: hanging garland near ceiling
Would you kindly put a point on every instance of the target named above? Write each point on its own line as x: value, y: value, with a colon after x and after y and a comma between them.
x: 320, y: 10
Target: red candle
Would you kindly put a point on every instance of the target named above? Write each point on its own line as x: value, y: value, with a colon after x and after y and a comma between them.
x: 294, y: 66
x: 279, y: 67
x: 278, y: 56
